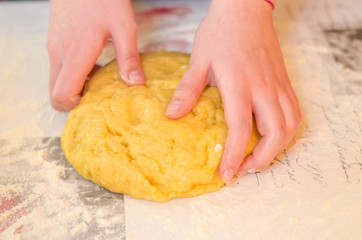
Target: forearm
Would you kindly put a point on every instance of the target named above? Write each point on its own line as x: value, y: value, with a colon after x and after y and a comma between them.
x: 246, y: 9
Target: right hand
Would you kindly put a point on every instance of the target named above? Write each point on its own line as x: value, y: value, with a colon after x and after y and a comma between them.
x: 243, y: 59
x: 78, y: 31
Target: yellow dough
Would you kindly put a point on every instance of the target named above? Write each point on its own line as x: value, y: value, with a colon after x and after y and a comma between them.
x: 120, y: 138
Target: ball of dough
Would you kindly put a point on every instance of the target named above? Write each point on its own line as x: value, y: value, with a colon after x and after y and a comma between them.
x: 120, y: 138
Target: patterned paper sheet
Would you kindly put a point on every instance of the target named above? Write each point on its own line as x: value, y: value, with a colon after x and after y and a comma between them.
x: 313, y: 190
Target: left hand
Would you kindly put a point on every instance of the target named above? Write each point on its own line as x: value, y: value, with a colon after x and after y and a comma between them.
x: 78, y: 31
x: 236, y: 49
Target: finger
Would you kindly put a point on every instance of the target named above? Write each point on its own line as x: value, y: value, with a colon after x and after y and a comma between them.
x: 53, y: 74
x: 292, y: 115
x: 124, y: 35
x: 55, y: 65
x: 272, y: 127
x: 287, y: 99
x: 281, y: 73
x: 187, y: 91
x: 238, y: 116
x: 294, y: 100
x: 72, y: 75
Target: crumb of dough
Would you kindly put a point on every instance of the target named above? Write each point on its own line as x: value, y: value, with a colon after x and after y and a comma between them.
x: 120, y: 138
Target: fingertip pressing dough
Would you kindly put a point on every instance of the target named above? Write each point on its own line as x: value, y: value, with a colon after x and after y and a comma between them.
x: 120, y: 138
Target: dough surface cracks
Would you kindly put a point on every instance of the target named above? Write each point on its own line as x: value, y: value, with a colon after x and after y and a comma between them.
x: 120, y: 138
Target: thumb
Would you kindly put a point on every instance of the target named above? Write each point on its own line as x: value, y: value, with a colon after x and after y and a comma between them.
x: 124, y: 36
x: 187, y: 91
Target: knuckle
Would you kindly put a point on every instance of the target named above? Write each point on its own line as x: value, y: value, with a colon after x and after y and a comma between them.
x: 127, y: 63
x: 128, y: 24
x: 279, y: 133
x: 185, y: 86
x: 294, y: 122
x: 129, y: 59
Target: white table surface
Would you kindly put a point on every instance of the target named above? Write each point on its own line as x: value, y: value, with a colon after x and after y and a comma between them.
x: 312, y: 191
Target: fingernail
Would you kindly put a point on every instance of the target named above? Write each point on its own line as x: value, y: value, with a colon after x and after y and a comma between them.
x: 241, y: 174
x: 123, y: 76
x: 75, y: 99
x: 135, y: 77
x: 173, y: 107
x: 228, y: 175
x: 254, y: 170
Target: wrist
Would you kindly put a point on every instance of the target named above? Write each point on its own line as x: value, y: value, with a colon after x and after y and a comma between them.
x: 271, y: 3
x: 247, y: 9
x: 247, y: 5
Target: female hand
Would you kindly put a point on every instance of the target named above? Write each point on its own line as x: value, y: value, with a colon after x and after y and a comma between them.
x: 78, y: 31
x: 236, y: 49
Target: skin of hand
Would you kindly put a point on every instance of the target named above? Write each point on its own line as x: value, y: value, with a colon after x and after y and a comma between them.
x: 236, y: 49
x: 77, y: 33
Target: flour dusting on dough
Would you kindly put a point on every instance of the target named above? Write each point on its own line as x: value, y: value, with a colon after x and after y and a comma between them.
x: 218, y: 148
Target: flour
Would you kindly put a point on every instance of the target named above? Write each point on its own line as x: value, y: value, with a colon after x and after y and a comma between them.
x: 40, y: 190
x: 218, y: 148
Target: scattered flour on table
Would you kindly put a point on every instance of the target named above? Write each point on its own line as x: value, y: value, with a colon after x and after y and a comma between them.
x: 42, y: 197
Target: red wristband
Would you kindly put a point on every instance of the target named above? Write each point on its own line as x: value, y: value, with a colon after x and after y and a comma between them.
x: 270, y: 2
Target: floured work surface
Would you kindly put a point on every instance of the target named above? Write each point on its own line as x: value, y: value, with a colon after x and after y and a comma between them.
x: 311, y: 191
